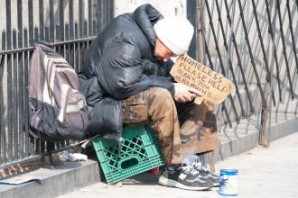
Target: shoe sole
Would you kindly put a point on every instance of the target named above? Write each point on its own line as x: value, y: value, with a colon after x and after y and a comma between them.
x: 172, y: 183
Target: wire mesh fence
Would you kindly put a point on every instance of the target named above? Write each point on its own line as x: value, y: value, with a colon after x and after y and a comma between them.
x: 253, y: 43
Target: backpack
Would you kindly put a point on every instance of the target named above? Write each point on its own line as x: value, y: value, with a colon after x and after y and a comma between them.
x: 57, y: 109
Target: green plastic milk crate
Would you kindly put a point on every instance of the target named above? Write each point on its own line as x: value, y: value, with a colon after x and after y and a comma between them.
x: 136, y: 153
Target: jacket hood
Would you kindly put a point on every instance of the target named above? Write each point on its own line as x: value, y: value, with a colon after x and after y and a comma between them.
x: 145, y: 17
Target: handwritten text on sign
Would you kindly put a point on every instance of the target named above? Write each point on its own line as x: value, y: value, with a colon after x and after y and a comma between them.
x: 213, y: 86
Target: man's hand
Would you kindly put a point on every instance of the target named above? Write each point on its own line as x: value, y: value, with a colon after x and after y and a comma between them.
x: 184, y: 93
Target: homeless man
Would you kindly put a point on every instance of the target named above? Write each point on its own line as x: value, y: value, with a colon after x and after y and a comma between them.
x: 126, y: 82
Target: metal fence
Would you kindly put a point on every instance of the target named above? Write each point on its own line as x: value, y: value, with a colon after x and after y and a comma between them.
x: 69, y: 26
x: 253, y: 43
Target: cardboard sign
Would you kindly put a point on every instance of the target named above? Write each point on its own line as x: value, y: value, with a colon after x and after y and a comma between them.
x: 213, y: 86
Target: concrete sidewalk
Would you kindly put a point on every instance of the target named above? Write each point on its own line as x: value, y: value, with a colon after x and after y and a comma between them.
x: 263, y: 172
x: 242, y: 137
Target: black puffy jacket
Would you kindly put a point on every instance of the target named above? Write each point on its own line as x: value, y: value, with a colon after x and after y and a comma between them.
x: 119, y: 64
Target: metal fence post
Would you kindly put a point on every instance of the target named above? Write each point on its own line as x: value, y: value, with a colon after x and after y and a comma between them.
x: 264, y: 134
x: 200, y: 49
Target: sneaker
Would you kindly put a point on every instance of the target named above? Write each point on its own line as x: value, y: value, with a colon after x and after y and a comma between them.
x: 184, y: 177
x: 205, y: 174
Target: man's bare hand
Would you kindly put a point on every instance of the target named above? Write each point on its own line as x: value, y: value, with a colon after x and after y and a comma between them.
x: 184, y: 93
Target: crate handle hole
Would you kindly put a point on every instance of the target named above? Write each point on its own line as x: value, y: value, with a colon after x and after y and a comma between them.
x: 129, y: 163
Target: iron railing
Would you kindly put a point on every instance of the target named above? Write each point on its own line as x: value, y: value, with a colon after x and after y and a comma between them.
x: 68, y: 26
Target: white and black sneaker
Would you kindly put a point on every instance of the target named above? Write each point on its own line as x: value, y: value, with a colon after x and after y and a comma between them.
x: 184, y: 177
x: 195, y: 162
x: 205, y: 174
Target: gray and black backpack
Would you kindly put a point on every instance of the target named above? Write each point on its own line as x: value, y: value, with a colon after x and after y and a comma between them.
x: 57, y: 108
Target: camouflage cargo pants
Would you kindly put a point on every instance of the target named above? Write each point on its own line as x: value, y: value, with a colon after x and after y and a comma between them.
x: 156, y: 107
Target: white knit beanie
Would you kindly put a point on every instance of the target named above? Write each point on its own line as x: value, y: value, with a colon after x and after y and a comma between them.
x: 176, y: 33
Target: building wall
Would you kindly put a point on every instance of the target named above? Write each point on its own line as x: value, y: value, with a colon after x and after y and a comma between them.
x: 166, y: 7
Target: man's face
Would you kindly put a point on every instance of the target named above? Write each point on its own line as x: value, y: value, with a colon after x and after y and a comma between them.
x: 161, y: 52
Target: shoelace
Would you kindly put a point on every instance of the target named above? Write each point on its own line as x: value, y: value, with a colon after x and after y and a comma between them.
x: 199, y: 166
x: 189, y: 170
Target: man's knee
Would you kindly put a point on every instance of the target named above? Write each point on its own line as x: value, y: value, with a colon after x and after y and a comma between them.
x: 160, y: 95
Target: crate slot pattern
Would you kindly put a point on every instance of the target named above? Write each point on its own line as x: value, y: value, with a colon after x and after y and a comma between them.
x: 136, y: 153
